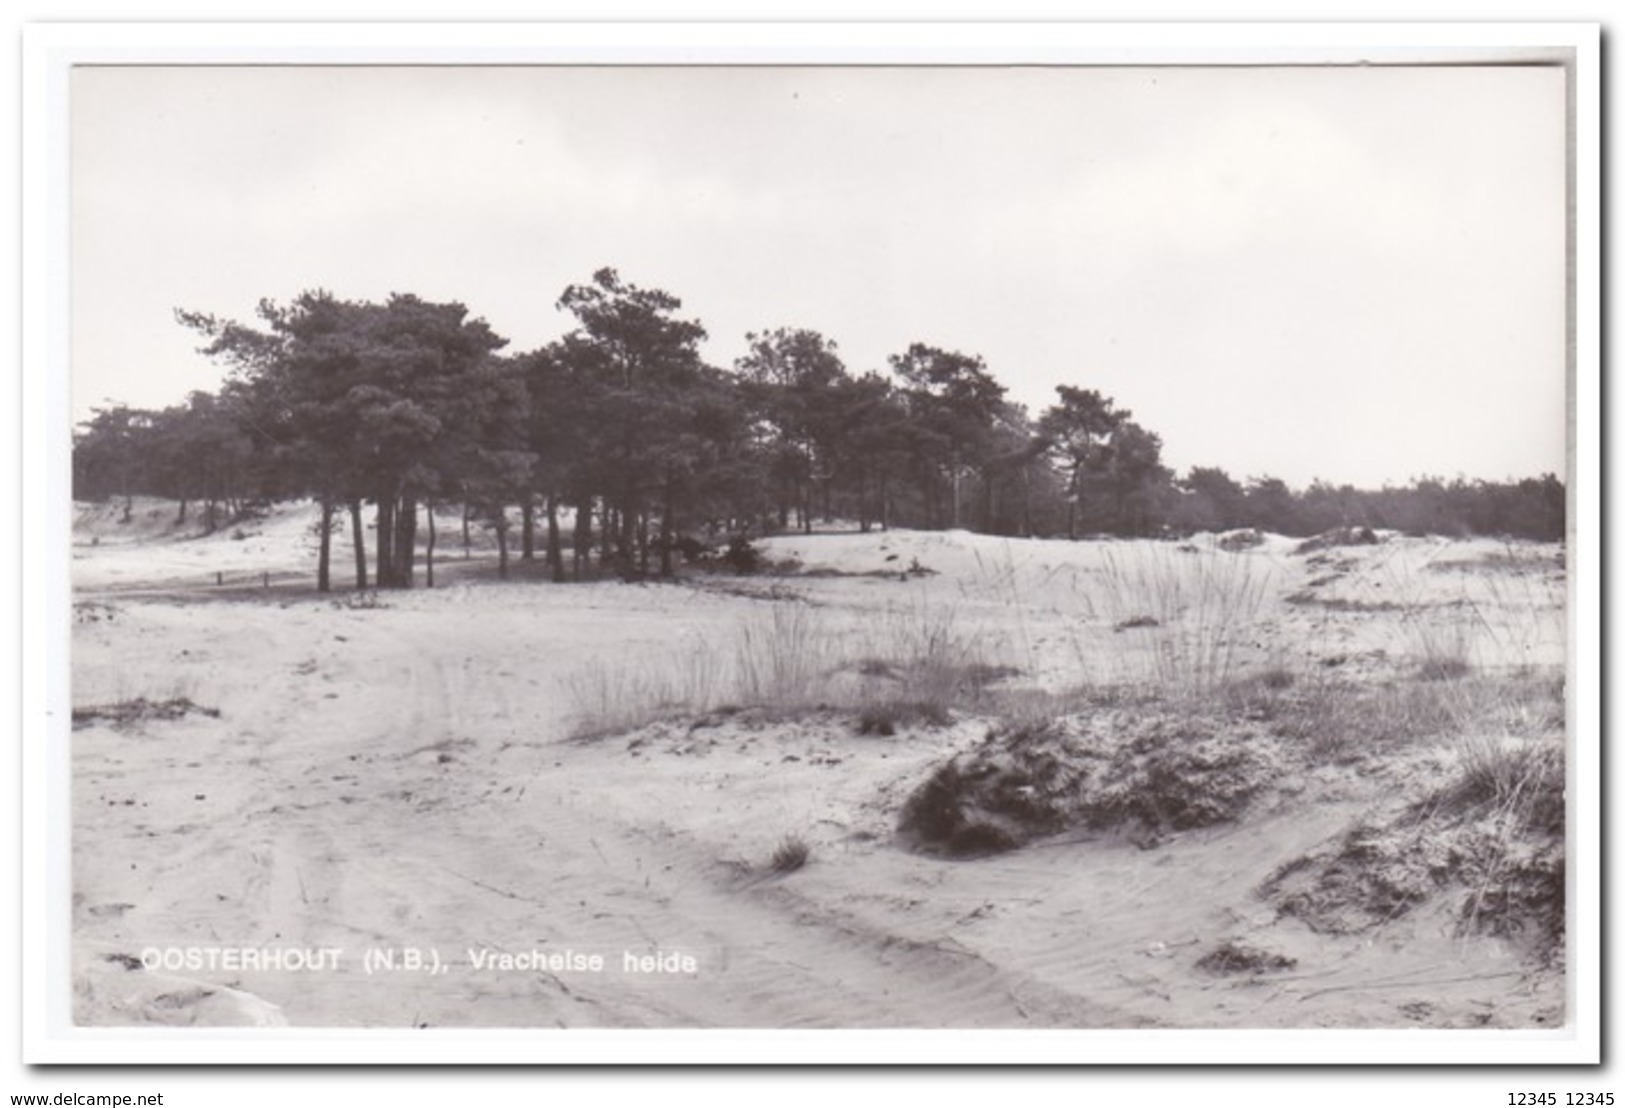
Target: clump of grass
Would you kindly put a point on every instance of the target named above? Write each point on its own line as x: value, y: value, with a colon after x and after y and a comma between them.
x: 1521, y: 779
x: 778, y: 657
x: 128, y: 713
x: 1200, y: 613
x: 894, y: 669
x: 913, y: 668
x: 1338, y: 718
x: 877, y: 667
x: 1492, y: 829
x: 1345, y: 720
x: 791, y: 854
x: 362, y: 600
x: 1514, y: 560
x: 1443, y: 650
x: 1494, y: 832
x: 915, y: 569
x: 981, y: 675
x: 1511, y: 794
x: 1345, y: 604
x: 1441, y: 668
x: 89, y: 611
x: 1235, y: 956
x: 612, y: 699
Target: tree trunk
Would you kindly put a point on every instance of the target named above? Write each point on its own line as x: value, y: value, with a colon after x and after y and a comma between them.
x: 1027, y: 501
x: 958, y: 476
x: 359, y: 540
x: 324, y: 581
x: 582, y: 548
x: 527, y: 537
x: 665, y: 529
x: 1072, y: 507
x: 384, y: 556
x: 555, y: 556
x: 643, y: 542
x: 467, y: 512
x: 180, y: 517
x: 428, y: 557
x: 502, y: 550
x: 627, y: 521
x: 406, y: 541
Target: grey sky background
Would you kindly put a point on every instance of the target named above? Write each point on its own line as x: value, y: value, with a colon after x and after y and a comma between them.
x: 1355, y: 274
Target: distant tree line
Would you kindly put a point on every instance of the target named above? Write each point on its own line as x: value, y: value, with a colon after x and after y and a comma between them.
x: 622, y: 435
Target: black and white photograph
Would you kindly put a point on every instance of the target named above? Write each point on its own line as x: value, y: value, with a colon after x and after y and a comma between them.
x: 778, y: 544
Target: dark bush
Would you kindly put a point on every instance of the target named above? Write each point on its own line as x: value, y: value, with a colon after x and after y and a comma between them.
x: 885, y: 718
x: 1040, y: 779
x: 742, y: 556
x: 1233, y: 956
x: 1338, y: 536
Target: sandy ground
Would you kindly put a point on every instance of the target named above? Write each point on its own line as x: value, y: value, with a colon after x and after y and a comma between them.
x: 402, y: 780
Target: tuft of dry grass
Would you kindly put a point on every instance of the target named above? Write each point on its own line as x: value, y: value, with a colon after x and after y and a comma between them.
x: 1193, y: 616
x: 791, y: 854
x: 892, y: 669
x: 1341, y: 719
x: 1520, y: 779
x: 1492, y: 830
x: 1443, y: 648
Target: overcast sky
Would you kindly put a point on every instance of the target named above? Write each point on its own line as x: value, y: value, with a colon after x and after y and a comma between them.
x: 1355, y: 274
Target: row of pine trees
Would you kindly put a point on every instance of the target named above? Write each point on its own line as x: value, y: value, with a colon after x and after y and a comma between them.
x: 617, y: 446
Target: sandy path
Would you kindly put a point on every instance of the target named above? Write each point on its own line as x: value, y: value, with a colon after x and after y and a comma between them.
x: 374, y: 789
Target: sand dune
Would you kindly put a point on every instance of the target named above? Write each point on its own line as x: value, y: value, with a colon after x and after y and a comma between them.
x: 407, y: 779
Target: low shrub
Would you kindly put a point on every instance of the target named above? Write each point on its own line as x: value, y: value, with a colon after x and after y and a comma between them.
x: 1234, y: 956
x: 1338, y: 536
x: 742, y: 557
x: 887, y: 718
x: 1113, y: 770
